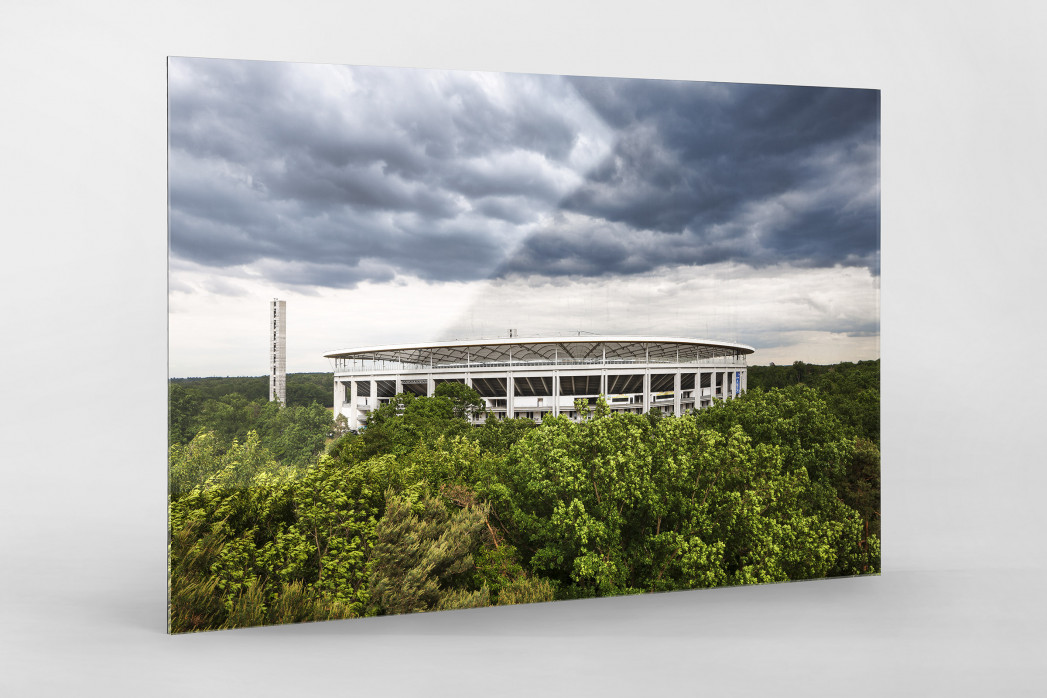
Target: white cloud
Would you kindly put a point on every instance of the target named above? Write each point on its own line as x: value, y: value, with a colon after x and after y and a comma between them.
x: 218, y: 335
x: 786, y: 313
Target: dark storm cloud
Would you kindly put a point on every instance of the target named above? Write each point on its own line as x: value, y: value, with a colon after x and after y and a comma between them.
x: 352, y: 174
x: 759, y: 174
x: 587, y: 248
x: 349, y: 174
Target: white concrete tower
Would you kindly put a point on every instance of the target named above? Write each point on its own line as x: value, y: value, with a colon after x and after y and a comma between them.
x: 278, y: 351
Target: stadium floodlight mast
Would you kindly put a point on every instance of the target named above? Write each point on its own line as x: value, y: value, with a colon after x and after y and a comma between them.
x: 530, y: 377
x: 278, y: 351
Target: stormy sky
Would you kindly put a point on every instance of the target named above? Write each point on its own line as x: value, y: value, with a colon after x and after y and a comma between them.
x: 391, y: 205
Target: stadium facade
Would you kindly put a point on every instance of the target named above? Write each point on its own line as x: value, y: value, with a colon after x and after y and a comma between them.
x: 534, y: 376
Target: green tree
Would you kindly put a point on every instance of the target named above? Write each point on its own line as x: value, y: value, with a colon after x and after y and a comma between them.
x: 499, y: 435
x: 209, y: 474
x: 851, y: 390
x: 569, y: 492
x: 801, y: 422
x: 295, y: 435
x: 465, y: 402
x: 328, y: 545
x: 196, y: 602
x: 405, y: 421
x: 615, y: 505
x: 183, y: 406
x: 423, y: 556
x: 252, y: 539
x: 224, y: 507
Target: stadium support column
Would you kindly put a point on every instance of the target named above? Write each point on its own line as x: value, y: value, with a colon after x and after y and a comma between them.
x: 354, y: 399
x: 676, y: 394
x: 556, y: 393
x: 726, y: 384
x: 430, y: 386
x: 399, y: 384
x: 745, y: 380
x: 373, y: 401
x: 646, y: 390
x: 469, y: 384
x: 510, y: 393
x: 339, y: 397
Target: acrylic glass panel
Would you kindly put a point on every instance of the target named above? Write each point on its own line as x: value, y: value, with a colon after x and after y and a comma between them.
x: 447, y: 339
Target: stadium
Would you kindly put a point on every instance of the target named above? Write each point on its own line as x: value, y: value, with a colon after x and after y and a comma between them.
x: 530, y: 377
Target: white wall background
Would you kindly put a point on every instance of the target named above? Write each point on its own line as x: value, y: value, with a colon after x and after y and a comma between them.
x: 959, y: 608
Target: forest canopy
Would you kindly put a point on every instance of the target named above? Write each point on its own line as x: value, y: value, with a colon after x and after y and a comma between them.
x: 303, y: 389
x: 278, y: 514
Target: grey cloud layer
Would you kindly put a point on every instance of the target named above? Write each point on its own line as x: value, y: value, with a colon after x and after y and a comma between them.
x: 352, y: 174
x: 755, y: 173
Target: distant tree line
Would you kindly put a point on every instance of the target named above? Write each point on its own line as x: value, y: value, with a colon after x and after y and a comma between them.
x: 302, y: 388
x: 851, y: 390
x: 279, y: 515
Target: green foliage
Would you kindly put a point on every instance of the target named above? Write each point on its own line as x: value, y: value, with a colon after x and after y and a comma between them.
x: 193, y: 599
x: 423, y: 552
x: 340, y: 427
x: 581, y: 407
x: 465, y: 402
x: 569, y: 490
x: 223, y: 484
x: 183, y: 407
x: 499, y: 435
x: 861, y: 488
x: 768, y: 377
x: 196, y: 603
x: 272, y: 532
x: 449, y: 461
x: 801, y: 423
x: 615, y: 505
x: 295, y: 435
x: 497, y: 568
x: 214, y: 388
x: 223, y: 506
x: 328, y: 545
x: 851, y: 390
x: 423, y: 511
x: 405, y: 421
x: 795, y: 419
x: 303, y: 389
x: 526, y: 590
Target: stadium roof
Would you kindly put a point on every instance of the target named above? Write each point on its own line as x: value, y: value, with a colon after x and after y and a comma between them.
x: 617, y: 347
